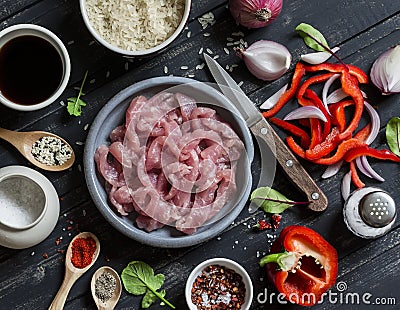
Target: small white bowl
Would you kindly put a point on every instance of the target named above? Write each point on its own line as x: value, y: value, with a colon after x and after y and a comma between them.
x: 147, y: 52
x: 19, y: 211
x: 17, y: 235
x: 15, y: 31
x: 225, y: 263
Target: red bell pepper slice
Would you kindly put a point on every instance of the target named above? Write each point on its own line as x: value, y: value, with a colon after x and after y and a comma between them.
x: 295, y: 147
x: 288, y: 94
x: 350, y: 87
x: 319, y: 104
x: 365, y: 150
x: 316, y: 132
x: 294, y: 130
x: 307, y: 268
x: 363, y: 133
x: 312, y: 80
x: 355, y: 178
x: 341, y: 151
x: 340, y: 68
x: 325, y: 147
x: 338, y: 113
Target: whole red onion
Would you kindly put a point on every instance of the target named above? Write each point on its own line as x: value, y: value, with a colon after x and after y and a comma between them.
x: 255, y: 13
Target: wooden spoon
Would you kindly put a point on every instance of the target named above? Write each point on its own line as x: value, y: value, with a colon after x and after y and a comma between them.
x: 72, y: 273
x: 24, y: 141
x: 112, y: 302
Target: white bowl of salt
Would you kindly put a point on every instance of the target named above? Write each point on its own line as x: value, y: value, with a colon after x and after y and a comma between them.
x: 29, y: 207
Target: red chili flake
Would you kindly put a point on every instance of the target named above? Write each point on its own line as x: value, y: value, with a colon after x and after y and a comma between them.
x: 69, y: 228
x: 262, y: 225
x: 276, y: 221
x: 61, y: 251
x: 45, y: 255
x: 58, y: 241
x: 82, y: 251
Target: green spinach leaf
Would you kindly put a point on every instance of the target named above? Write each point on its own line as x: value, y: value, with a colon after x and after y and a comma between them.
x: 270, y: 200
x: 312, y: 37
x: 138, y: 279
x: 393, y: 135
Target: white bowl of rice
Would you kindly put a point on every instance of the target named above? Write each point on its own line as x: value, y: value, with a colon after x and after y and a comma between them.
x: 135, y: 28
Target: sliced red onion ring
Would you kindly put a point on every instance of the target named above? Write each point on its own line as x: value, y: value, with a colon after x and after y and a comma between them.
x: 306, y: 112
x: 332, y: 170
x: 346, y: 183
x: 376, y: 123
x: 364, y: 166
x: 318, y: 57
x: 325, y: 90
x: 271, y: 101
x: 338, y: 95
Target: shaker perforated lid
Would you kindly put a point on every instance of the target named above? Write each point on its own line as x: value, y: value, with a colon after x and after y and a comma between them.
x: 369, y: 212
x: 377, y: 209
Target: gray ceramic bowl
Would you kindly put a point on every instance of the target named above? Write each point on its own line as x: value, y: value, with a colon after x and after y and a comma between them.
x: 113, y: 115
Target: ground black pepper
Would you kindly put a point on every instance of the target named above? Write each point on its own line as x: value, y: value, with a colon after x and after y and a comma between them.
x: 104, y: 286
x: 218, y: 287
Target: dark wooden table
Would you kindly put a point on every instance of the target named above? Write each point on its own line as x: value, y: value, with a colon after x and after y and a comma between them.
x: 30, y: 278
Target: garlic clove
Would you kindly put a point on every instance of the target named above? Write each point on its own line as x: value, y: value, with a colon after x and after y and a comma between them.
x: 318, y: 57
x: 271, y: 101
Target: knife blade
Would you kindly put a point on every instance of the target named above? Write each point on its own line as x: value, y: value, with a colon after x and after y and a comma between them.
x: 263, y: 131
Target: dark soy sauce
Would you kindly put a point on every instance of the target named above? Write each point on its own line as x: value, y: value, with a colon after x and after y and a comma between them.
x: 31, y: 70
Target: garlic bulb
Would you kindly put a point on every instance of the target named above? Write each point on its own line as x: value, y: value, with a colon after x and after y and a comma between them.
x: 385, y: 72
x: 267, y: 60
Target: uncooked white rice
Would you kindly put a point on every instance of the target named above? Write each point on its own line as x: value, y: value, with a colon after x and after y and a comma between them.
x: 135, y: 25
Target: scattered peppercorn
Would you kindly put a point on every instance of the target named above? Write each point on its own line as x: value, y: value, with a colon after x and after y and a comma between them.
x: 82, y: 252
x: 218, y: 287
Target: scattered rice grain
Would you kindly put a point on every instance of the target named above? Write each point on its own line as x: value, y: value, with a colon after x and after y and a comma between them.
x: 201, y: 51
x: 226, y: 51
x: 209, y: 51
x: 184, y: 67
x: 240, y: 83
x: 107, y: 74
x: 206, y: 34
x: 188, y: 34
x: 165, y: 69
x: 92, y: 81
x: 216, y: 57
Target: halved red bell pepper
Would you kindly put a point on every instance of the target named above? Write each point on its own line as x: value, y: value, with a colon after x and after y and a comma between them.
x: 306, y: 269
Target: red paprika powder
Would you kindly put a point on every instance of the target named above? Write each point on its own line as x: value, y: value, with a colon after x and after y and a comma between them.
x: 82, y: 252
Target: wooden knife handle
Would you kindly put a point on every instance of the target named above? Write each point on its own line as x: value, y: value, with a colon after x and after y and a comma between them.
x: 291, y: 166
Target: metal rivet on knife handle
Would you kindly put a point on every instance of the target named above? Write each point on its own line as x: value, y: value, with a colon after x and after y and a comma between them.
x: 289, y: 163
x: 264, y: 131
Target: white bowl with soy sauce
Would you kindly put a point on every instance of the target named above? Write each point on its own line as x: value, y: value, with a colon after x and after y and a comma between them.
x: 34, y: 67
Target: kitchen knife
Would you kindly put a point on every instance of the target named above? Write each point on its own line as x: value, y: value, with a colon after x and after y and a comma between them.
x: 264, y: 132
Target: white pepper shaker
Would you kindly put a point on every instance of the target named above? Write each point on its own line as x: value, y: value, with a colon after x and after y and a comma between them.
x: 369, y: 212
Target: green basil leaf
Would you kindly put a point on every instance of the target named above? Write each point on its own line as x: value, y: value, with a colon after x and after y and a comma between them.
x: 393, y: 135
x: 310, y: 36
x: 270, y: 200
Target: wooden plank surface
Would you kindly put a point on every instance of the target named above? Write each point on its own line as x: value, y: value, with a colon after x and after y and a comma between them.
x: 363, y: 30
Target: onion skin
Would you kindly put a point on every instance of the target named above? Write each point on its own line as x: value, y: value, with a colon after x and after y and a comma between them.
x: 255, y: 13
